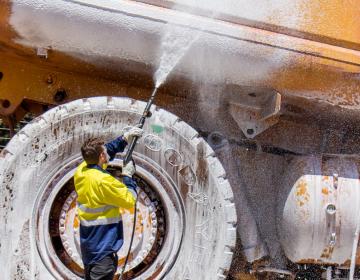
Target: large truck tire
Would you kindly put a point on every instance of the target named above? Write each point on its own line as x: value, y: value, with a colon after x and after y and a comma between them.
x: 186, y: 226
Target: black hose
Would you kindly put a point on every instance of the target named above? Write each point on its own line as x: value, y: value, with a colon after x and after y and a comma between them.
x: 132, y: 238
x: 127, y: 158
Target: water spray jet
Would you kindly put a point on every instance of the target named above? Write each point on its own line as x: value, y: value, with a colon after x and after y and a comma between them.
x: 169, y: 59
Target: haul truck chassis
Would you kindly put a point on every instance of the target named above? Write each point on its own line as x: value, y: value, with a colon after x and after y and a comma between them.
x: 249, y: 167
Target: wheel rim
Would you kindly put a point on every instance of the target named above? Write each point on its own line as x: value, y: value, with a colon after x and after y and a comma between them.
x: 55, y: 217
x: 189, y: 179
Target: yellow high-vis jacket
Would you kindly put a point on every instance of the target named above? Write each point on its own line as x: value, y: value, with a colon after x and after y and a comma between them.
x: 100, y: 197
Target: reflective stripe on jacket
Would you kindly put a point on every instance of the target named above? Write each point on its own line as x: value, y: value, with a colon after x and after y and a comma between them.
x: 100, y: 196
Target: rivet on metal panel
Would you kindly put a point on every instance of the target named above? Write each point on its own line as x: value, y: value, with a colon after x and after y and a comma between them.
x: 50, y: 79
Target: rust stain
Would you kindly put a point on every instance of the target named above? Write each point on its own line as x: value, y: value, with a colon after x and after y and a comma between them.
x: 6, y: 31
x: 325, y: 190
x: 184, y: 189
x: 245, y: 276
x: 139, y: 227
x: 302, y: 194
x: 76, y: 222
x: 301, y: 188
x: 316, y: 261
x: 347, y: 263
x: 67, y: 217
x: 74, y: 75
x: 75, y: 267
x: 156, y: 272
x: 122, y: 260
x: 149, y: 219
x: 130, y: 211
x: 327, y: 252
x: 337, y: 88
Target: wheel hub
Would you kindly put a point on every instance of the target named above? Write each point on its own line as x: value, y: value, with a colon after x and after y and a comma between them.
x: 63, y: 231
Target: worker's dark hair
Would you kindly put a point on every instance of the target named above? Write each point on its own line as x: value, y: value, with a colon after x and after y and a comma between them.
x: 91, y: 150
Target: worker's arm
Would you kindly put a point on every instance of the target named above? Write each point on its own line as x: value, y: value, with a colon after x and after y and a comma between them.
x: 131, y: 184
x: 118, y: 145
x: 113, y: 192
x: 128, y: 172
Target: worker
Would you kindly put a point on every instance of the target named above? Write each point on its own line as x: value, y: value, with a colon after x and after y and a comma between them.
x: 100, y: 196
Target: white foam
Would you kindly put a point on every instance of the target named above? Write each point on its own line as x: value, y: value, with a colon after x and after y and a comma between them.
x: 106, y: 33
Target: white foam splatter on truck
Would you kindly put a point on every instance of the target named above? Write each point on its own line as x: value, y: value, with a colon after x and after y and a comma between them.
x: 96, y: 31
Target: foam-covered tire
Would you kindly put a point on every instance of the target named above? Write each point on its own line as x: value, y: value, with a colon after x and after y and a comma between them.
x: 52, y: 140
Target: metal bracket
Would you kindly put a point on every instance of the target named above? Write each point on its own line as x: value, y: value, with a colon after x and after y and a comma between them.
x: 254, y: 110
x: 331, y: 224
x: 42, y: 52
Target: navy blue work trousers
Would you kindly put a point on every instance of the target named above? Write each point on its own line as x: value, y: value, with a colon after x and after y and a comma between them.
x: 102, y: 270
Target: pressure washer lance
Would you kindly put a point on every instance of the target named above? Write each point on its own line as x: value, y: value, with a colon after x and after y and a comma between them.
x: 146, y: 114
x: 128, y: 157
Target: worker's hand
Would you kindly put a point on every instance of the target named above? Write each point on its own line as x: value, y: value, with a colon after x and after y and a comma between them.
x: 134, y: 131
x: 129, y: 169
